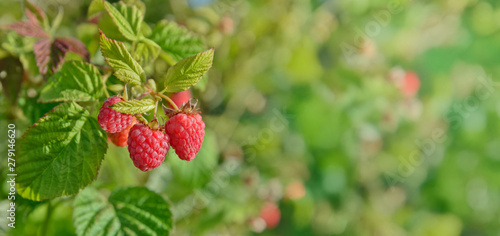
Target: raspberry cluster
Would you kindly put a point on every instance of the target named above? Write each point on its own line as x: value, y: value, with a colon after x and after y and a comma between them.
x: 148, y: 144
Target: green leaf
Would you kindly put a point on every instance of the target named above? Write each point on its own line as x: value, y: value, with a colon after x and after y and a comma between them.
x: 134, y: 106
x: 60, y: 154
x: 116, y: 55
x: 176, y: 40
x: 128, y: 211
x: 57, y: 21
x: 127, y: 19
x: 146, y: 51
x: 198, y: 172
x: 75, y: 81
x: 95, y: 7
x: 188, y: 72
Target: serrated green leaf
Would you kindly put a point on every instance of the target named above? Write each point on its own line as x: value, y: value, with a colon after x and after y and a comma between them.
x: 93, y: 215
x: 116, y: 55
x: 128, y: 211
x: 146, y: 51
x: 60, y: 154
x: 197, y: 172
x: 176, y: 40
x: 127, y: 19
x: 188, y: 72
x: 137, y: 3
x: 133, y: 15
x: 134, y: 106
x: 75, y: 81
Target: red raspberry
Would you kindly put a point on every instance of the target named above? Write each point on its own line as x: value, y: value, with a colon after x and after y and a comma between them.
x: 186, y: 131
x: 120, y: 138
x: 147, y: 147
x: 111, y: 120
x: 411, y: 84
x: 271, y: 214
x: 181, y: 98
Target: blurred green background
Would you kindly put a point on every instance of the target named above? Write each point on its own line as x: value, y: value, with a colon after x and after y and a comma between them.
x: 314, y: 106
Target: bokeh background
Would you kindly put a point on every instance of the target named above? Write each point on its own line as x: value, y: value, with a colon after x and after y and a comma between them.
x: 337, y: 117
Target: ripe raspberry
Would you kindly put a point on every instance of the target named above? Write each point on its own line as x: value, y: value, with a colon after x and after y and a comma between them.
x: 271, y: 214
x: 120, y: 138
x: 147, y: 147
x: 186, y: 130
x: 111, y: 120
x: 181, y: 98
x: 411, y: 84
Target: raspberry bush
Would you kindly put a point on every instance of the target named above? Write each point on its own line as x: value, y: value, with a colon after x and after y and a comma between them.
x: 120, y: 99
x: 317, y: 117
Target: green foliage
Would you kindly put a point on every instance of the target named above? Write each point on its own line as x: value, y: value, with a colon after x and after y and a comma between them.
x: 134, y: 106
x: 127, y: 211
x: 75, y: 81
x: 127, y: 19
x: 196, y: 173
x: 188, y: 72
x: 54, y: 157
x: 286, y: 104
x: 56, y: 22
x: 95, y: 7
x: 146, y: 51
x: 125, y: 67
x: 176, y: 40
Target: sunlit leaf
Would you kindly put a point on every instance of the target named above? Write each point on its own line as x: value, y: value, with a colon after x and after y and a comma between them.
x: 127, y: 211
x: 60, y: 154
x: 76, y: 81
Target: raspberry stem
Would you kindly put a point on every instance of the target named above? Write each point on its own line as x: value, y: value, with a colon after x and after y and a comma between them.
x: 141, y: 119
x: 144, y: 94
x: 104, y: 78
x: 168, y: 99
x: 156, y: 107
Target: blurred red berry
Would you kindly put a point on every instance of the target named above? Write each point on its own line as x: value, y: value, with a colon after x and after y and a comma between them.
x: 226, y: 25
x: 295, y: 190
x: 410, y: 84
x: 181, y: 98
x: 271, y: 214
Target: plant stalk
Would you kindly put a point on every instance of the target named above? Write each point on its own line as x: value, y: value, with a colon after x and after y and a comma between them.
x: 46, y: 222
x: 172, y: 103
